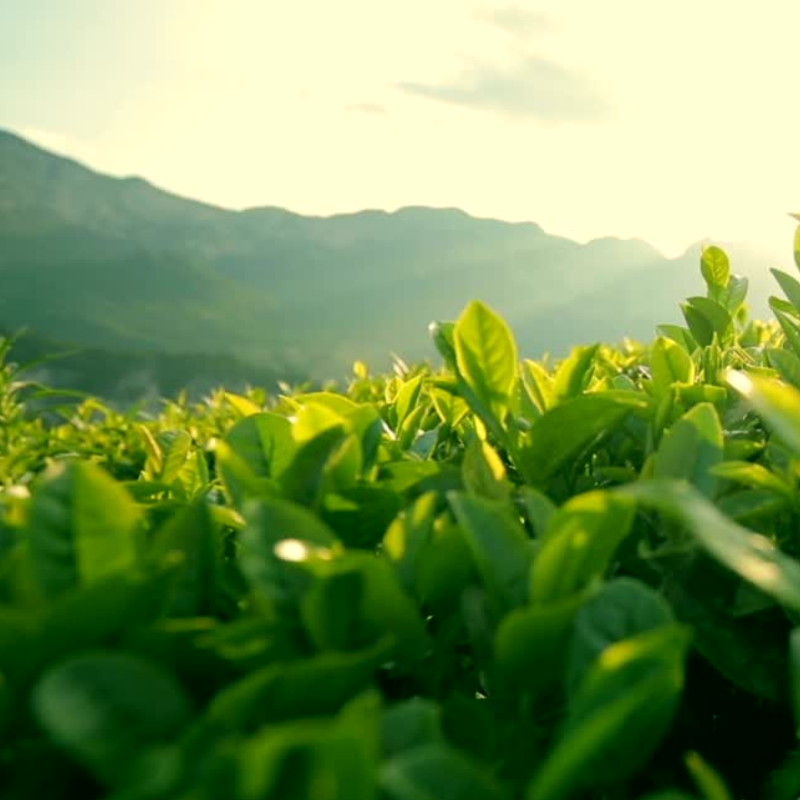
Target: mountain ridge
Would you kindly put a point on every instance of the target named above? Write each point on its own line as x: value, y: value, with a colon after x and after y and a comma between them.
x: 90, y: 258
x: 405, y: 210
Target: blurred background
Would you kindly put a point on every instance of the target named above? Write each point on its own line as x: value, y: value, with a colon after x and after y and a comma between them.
x: 198, y: 193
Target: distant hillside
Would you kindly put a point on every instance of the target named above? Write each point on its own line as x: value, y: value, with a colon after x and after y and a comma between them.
x: 120, y: 264
x: 132, y: 377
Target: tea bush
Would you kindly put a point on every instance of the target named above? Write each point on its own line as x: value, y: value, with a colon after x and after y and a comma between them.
x: 501, y: 578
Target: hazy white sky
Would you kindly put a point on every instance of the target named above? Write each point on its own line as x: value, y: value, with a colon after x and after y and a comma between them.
x: 667, y: 121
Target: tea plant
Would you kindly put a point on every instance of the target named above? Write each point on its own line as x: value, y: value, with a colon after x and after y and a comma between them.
x: 498, y: 579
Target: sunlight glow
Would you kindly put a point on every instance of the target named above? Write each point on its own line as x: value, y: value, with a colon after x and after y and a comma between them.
x: 297, y: 550
x: 312, y: 106
x: 292, y: 550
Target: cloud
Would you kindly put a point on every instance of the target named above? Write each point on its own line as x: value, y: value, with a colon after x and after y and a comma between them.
x: 367, y: 108
x: 519, y: 21
x: 533, y: 87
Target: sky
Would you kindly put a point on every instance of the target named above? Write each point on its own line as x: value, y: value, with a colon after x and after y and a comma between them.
x: 670, y: 122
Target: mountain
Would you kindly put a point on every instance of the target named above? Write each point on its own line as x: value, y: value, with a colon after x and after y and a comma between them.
x: 120, y: 264
x: 135, y: 377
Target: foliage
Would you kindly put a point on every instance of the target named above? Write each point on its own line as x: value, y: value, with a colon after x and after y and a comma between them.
x: 494, y: 579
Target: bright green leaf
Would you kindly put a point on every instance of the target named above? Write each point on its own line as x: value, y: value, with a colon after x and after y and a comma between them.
x: 486, y: 356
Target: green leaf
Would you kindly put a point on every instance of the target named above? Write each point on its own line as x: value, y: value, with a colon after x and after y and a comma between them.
x: 624, y: 607
x: 256, y: 451
x: 679, y: 335
x: 407, y: 434
x: 277, y: 536
x: 82, y: 528
x: 338, y: 404
x: 578, y: 545
x: 706, y: 779
x: 242, y: 405
x: 442, y: 334
x: 538, y: 384
x: 752, y: 507
x: 786, y: 363
x: 754, y: 475
x: 444, y: 566
x: 619, y: 714
x: 104, y: 708
x: 20, y: 634
x: 360, y: 516
x: 791, y: 329
x: 313, y: 687
x: 484, y: 472
x: 434, y: 772
x: 238, y: 482
x: 294, y: 759
x: 797, y: 243
x: 790, y: 286
x: 778, y: 405
x: 703, y: 393
x: 331, y: 461
x: 732, y: 297
x: 175, y: 449
x: 264, y: 443
x: 794, y: 654
x: 191, y: 533
x: 97, y: 615
x: 152, y: 448
x: 313, y: 419
x: 499, y: 545
x: 743, y: 649
x: 670, y: 363
x: 486, y: 356
x: 571, y: 375
x: 784, y: 306
x: 751, y: 556
x: 389, y: 609
x: 407, y: 536
x: 330, y: 609
x: 539, y: 508
x: 410, y: 724
x: 560, y: 434
x: 706, y: 317
x: 669, y: 795
x: 450, y: 408
x: 531, y: 644
x: 366, y: 424
x: 701, y: 327
x: 407, y: 399
x: 691, y: 448
x: 715, y: 267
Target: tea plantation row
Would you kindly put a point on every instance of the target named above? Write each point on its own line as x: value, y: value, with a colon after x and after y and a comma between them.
x: 498, y: 579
